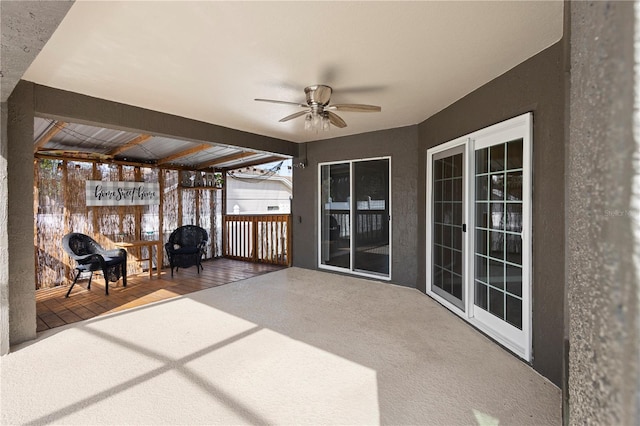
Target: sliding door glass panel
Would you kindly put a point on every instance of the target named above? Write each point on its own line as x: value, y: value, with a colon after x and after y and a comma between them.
x: 498, y: 231
x: 371, y: 225
x: 335, y: 195
x: 447, y: 205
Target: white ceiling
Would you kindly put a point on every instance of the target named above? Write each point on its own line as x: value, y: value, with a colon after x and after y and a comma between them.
x: 209, y: 60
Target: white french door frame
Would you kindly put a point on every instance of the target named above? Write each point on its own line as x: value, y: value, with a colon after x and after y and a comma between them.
x: 464, y: 143
x: 520, y: 127
x: 351, y: 269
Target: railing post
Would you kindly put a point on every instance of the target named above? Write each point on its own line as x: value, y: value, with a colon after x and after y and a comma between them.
x: 289, y: 242
x: 255, y: 239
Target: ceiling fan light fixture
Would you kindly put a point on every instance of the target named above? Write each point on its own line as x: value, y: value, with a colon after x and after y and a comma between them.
x: 317, y: 121
x: 308, y: 122
x: 325, y: 123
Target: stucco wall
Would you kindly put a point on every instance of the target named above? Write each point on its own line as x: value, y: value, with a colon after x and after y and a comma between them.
x: 401, y: 145
x: 4, y: 238
x: 536, y: 85
x: 602, y: 281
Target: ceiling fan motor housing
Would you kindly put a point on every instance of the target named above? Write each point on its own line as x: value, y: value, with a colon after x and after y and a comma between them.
x: 318, y: 95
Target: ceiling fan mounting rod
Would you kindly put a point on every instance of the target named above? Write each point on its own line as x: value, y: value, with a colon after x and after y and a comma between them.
x: 316, y: 109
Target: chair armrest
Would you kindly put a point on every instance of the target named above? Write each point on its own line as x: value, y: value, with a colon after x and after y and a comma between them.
x: 89, y: 258
x: 115, y: 253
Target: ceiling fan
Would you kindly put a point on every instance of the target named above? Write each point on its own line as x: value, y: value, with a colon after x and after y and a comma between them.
x: 318, y: 112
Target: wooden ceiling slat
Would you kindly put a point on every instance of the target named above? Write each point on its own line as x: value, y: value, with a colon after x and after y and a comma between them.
x: 53, y: 130
x: 133, y: 142
x: 222, y: 160
x: 184, y: 153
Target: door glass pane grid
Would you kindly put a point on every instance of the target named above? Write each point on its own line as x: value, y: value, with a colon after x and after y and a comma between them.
x: 498, y: 227
x: 447, y: 207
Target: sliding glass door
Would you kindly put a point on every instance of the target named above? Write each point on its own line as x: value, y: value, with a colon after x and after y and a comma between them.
x: 335, y: 215
x: 355, y: 217
x: 488, y: 195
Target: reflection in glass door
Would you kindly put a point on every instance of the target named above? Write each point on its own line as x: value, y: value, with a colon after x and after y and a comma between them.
x: 447, y: 206
x: 498, y: 228
x: 355, y: 217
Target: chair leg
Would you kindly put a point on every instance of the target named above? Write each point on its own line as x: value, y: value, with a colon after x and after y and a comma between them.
x: 90, y: 278
x: 106, y: 283
x: 74, y: 282
x: 124, y: 275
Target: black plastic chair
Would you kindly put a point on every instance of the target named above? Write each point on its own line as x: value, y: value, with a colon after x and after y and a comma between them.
x: 91, y: 256
x: 185, y: 247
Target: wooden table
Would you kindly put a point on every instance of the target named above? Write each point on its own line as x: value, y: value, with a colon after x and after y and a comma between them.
x: 149, y: 244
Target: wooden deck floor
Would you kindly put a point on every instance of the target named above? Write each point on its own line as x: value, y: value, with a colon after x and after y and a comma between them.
x: 54, y: 310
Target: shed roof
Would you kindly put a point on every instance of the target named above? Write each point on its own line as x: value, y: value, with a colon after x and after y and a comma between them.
x: 84, y: 142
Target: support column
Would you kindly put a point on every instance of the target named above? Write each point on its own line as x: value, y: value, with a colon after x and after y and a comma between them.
x: 4, y: 239
x: 603, y: 217
x: 19, y: 224
x: 25, y: 26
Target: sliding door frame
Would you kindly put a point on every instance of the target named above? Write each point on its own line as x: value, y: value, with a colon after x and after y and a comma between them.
x: 352, y: 218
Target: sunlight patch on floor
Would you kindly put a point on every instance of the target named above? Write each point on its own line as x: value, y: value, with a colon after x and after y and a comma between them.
x: 152, y: 366
x: 485, y: 419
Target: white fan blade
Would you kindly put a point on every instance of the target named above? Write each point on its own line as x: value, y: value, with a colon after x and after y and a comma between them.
x: 354, y: 108
x: 273, y: 101
x: 336, y: 120
x: 292, y: 116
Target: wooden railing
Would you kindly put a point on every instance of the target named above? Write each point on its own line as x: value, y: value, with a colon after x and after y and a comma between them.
x: 258, y: 238
x: 371, y: 226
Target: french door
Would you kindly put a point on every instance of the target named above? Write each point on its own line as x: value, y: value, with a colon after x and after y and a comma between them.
x: 354, y: 225
x: 447, y: 225
x: 486, y: 197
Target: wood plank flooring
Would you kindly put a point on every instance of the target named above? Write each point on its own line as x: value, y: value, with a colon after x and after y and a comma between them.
x: 54, y: 310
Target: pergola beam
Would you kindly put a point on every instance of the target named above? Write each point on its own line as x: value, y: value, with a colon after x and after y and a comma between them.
x: 222, y: 160
x: 184, y: 153
x: 133, y: 142
x: 79, y: 158
x: 53, y: 130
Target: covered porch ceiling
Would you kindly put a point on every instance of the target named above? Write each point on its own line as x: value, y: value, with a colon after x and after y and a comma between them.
x: 209, y: 60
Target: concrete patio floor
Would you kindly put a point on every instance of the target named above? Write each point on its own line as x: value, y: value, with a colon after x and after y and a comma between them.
x: 289, y: 347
